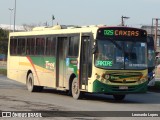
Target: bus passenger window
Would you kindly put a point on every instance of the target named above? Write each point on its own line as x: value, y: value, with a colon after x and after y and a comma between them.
x: 13, y: 46
x: 30, y: 46
x: 40, y: 46
x: 21, y: 46
x: 73, y: 46
x: 50, y: 46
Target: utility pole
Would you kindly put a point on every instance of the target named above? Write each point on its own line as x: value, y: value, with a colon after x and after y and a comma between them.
x: 10, y: 9
x: 155, y: 32
x: 156, y: 27
x: 14, y: 15
x: 122, y: 19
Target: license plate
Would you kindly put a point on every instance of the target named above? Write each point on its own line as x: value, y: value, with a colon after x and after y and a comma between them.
x: 123, y: 87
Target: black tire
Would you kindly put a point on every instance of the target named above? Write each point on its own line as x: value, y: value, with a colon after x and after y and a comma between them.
x: 30, y: 84
x: 69, y: 92
x: 76, y: 93
x: 119, y: 97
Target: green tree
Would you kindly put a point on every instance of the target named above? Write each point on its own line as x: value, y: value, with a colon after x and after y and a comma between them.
x: 4, y: 35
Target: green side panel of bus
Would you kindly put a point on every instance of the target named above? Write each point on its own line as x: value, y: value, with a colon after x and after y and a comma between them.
x: 100, y: 87
x: 71, y: 63
x: 43, y: 61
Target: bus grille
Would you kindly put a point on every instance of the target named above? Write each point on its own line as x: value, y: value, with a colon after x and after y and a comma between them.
x: 123, y: 81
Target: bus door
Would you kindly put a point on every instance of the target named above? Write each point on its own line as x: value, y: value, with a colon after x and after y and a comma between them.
x: 60, y: 61
x: 85, y: 64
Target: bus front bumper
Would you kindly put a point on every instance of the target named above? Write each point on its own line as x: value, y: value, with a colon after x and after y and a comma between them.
x: 99, y: 87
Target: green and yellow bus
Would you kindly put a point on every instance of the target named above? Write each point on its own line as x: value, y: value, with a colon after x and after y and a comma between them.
x: 94, y: 59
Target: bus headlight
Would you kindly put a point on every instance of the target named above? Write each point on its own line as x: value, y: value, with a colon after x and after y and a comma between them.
x: 107, y: 77
x: 97, y: 76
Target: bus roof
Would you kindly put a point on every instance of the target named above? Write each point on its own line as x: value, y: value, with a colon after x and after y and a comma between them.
x: 58, y: 29
x: 64, y: 29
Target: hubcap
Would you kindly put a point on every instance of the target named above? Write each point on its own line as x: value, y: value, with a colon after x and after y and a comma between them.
x: 30, y: 83
x: 75, y: 88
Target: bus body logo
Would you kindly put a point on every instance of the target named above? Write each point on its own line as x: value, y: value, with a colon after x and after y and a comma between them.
x: 49, y: 65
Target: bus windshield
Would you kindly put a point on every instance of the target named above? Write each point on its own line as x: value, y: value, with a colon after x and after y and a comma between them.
x: 116, y: 54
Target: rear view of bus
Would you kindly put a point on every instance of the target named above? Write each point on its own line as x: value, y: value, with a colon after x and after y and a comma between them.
x: 120, y: 61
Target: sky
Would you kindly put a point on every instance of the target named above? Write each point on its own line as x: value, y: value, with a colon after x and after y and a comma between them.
x: 80, y: 12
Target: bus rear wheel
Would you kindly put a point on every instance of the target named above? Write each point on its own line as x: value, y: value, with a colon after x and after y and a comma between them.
x: 119, y: 97
x: 30, y: 84
x: 76, y: 93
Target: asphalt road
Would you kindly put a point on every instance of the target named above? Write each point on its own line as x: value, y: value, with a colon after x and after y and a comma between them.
x: 15, y: 97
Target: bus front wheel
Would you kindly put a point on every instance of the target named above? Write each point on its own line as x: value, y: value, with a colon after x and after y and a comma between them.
x: 119, y: 97
x: 30, y: 84
x: 76, y: 93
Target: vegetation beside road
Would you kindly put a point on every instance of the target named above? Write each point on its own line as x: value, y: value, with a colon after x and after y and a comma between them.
x: 3, y: 71
x: 3, y: 41
x: 4, y: 34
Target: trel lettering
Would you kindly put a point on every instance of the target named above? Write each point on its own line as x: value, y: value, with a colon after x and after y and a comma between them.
x: 49, y: 65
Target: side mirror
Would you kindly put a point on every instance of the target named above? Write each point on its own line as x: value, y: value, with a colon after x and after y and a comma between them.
x: 94, y: 50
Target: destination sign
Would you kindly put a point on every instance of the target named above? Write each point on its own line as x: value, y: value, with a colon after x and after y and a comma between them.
x: 121, y: 32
